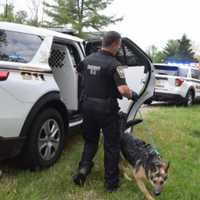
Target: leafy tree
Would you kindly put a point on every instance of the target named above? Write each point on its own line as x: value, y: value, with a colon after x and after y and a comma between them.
x: 172, y: 49
x: 155, y: 54
x: 185, y: 48
x: 34, y: 6
x: 179, y: 50
x: 8, y: 13
x: 21, y: 17
x: 198, y: 58
x: 80, y: 13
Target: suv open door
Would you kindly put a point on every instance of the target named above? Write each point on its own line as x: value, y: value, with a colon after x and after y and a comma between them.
x: 139, y: 73
x: 64, y: 73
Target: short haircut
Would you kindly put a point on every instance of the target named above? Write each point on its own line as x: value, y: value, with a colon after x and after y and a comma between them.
x: 110, y: 37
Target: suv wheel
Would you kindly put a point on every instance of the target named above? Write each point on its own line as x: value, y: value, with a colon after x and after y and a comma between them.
x: 46, y: 140
x: 189, y: 100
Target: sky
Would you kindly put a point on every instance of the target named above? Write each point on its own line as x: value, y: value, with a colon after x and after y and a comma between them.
x: 149, y: 22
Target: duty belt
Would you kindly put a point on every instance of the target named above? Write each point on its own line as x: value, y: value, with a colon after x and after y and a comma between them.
x: 101, y: 100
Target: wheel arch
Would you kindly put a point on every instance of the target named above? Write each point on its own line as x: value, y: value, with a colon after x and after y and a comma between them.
x: 191, y: 89
x: 51, y: 99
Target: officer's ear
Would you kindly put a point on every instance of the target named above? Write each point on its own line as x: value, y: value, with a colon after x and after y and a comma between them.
x: 115, y: 47
x: 117, y: 44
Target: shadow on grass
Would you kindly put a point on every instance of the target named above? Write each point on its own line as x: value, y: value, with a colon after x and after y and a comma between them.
x: 74, y: 135
x: 165, y: 104
x: 12, y: 166
x: 169, y: 104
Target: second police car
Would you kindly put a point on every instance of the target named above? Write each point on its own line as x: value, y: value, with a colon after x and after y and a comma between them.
x: 177, y: 82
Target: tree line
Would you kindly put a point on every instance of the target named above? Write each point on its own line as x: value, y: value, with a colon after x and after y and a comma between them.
x: 8, y: 14
x: 79, y: 14
x: 178, y: 50
x: 84, y: 15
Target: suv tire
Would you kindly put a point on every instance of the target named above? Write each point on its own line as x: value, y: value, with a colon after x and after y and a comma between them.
x: 46, y: 140
x: 189, y: 100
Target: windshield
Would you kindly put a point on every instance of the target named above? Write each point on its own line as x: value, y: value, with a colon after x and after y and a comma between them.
x: 171, y: 70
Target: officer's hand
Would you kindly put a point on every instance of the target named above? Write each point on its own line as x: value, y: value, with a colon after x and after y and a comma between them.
x: 134, y: 96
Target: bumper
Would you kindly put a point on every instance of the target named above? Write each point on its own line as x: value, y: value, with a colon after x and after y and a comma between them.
x: 10, y: 147
x: 158, y: 96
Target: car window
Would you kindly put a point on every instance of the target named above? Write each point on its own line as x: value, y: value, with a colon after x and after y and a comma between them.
x: 125, y: 55
x: 183, y: 72
x: 128, y: 56
x: 92, y: 47
x: 166, y: 70
x: 121, y: 55
x: 18, y: 47
x: 74, y: 55
x: 58, y: 54
x: 195, y: 74
x: 171, y: 70
x: 131, y: 57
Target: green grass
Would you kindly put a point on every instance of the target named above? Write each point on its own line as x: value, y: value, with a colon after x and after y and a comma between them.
x: 176, y: 133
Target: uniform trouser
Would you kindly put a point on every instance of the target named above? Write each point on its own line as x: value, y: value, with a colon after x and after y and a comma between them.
x: 93, y: 122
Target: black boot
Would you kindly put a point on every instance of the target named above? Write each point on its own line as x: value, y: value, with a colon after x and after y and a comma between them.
x: 80, y: 176
x: 112, y: 188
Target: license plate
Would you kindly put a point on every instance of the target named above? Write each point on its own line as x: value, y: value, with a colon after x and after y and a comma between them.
x: 160, y: 83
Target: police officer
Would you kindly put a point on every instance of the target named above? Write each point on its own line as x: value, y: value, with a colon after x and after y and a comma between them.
x: 103, y: 82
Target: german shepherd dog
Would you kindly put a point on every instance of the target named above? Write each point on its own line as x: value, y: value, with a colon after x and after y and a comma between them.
x: 143, y: 163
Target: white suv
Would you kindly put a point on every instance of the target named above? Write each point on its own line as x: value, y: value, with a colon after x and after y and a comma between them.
x: 39, y: 89
x: 177, y: 82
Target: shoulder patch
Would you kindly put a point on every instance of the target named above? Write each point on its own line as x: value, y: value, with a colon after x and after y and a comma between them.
x: 120, y: 71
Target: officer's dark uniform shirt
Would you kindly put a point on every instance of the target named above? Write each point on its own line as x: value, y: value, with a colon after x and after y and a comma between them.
x: 101, y: 73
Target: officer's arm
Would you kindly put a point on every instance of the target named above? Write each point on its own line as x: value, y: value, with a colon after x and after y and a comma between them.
x: 121, y: 84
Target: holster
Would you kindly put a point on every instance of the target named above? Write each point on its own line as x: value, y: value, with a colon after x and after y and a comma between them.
x: 101, y: 106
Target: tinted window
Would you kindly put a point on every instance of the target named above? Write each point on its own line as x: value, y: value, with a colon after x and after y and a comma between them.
x: 92, y: 47
x: 74, y: 55
x: 195, y: 74
x: 121, y: 56
x: 131, y: 57
x: 18, y: 47
x: 127, y: 55
x: 183, y: 72
x: 58, y: 53
x: 171, y: 70
x: 166, y: 70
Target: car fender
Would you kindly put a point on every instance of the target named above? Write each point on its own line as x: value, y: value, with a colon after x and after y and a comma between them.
x: 51, y: 99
